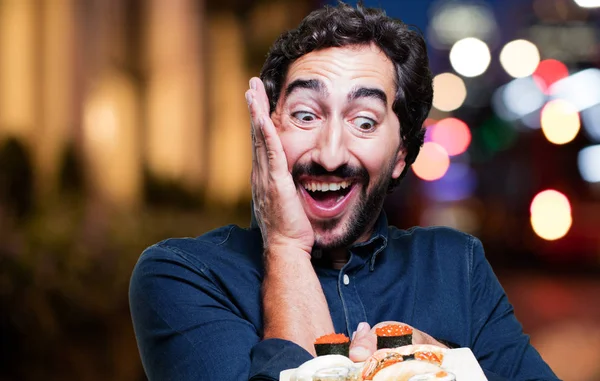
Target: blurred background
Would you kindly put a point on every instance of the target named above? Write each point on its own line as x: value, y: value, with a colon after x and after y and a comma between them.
x: 123, y: 122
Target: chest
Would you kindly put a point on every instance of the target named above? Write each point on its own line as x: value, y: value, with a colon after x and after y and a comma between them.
x: 436, y: 302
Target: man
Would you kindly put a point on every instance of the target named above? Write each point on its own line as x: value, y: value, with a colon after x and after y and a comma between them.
x: 336, y: 121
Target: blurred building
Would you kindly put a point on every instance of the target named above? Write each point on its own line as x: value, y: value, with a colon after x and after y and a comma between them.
x: 142, y: 91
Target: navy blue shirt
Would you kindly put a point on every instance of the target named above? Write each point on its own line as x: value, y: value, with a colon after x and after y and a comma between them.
x: 196, y: 303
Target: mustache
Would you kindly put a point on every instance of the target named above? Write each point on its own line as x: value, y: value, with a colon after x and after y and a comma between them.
x: 343, y: 171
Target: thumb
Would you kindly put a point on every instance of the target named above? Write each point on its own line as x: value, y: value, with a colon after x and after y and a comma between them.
x: 364, y: 343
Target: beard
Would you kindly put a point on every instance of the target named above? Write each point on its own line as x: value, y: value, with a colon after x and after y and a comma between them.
x: 364, y: 213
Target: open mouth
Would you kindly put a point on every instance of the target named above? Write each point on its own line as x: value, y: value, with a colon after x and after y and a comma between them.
x: 328, y: 194
x: 327, y: 199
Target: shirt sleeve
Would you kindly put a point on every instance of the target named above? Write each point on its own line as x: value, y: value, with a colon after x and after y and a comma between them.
x: 186, y: 328
x: 498, y: 341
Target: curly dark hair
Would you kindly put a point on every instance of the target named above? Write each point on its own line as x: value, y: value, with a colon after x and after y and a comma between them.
x: 342, y: 25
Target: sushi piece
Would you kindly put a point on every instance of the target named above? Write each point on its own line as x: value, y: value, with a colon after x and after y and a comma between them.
x: 388, y: 357
x: 393, y: 336
x: 406, y: 371
x: 339, y: 373
x: 323, y: 367
x: 333, y: 344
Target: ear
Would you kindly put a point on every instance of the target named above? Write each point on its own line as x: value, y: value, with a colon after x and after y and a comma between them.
x: 400, y: 163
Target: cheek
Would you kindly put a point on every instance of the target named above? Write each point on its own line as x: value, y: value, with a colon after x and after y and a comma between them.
x: 296, y: 144
x: 376, y: 154
x: 375, y: 161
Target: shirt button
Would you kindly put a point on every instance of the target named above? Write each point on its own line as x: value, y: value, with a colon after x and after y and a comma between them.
x: 346, y: 279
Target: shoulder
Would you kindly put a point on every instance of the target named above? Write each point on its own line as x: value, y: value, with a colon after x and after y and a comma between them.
x: 431, y: 235
x: 229, y: 245
x: 435, y: 244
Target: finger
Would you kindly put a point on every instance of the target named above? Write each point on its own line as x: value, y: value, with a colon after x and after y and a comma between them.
x: 277, y: 160
x: 259, y: 153
x: 260, y: 113
x: 364, y: 343
x: 261, y: 95
x: 249, y: 100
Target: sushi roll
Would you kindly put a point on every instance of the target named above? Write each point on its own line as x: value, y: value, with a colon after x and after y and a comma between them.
x: 333, y: 344
x: 393, y: 336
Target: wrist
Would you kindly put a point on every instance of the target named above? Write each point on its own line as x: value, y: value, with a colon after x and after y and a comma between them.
x: 289, y: 251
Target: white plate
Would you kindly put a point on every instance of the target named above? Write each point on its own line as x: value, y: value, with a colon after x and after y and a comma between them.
x: 460, y: 361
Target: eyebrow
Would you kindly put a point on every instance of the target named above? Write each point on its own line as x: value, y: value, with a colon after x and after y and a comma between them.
x: 364, y: 92
x: 310, y: 84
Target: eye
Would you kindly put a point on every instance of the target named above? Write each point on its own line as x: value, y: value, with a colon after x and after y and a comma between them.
x: 364, y: 123
x: 304, y: 116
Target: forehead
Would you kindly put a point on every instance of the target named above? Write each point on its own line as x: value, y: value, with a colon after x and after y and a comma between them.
x: 345, y: 67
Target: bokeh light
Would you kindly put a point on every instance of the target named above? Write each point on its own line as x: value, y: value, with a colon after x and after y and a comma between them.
x: 453, y: 134
x: 588, y: 3
x: 449, y: 92
x: 517, y: 99
x: 457, y: 184
x: 588, y: 161
x: 453, y: 21
x: 519, y: 58
x: 548, y: 72
x: 560, y: 121
x: 496, y: 135
x: 581, y: 89
x: 470, y: 57
x: 551, y: 215
x: 432, y: 163
x: 591, y: 122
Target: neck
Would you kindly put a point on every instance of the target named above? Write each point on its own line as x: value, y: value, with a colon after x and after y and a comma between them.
x: 336, y: 258
x: 333, y: 259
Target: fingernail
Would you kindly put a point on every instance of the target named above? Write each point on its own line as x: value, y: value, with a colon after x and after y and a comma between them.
x: 361, y: 326
x: 353, y: 334
x: 252, y: 84
x: 248, y: 98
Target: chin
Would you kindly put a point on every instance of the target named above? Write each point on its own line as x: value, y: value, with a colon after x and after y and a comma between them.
x: 332, y: 234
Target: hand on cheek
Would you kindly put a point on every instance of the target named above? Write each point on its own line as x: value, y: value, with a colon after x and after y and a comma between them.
x: 278, y: 209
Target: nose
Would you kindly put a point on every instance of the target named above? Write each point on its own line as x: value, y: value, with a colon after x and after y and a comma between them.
x: 331, y: 150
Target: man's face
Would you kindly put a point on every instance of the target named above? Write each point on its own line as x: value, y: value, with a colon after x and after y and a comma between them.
x: 341, y: 138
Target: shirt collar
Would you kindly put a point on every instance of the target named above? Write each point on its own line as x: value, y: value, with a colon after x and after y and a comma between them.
x: 376, y: 243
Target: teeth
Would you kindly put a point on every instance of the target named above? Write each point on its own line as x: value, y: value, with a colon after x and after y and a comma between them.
x: 324, y: 187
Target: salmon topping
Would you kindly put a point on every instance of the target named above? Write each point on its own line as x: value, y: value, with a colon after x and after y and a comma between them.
x: 428, y: 356
x: 333, y: 338
x: 394, y: 330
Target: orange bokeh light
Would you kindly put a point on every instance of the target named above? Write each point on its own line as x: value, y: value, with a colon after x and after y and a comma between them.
x: 560, y: 121
x: 452, y: 134
x: 551, y: 215
x: 432, y: 163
